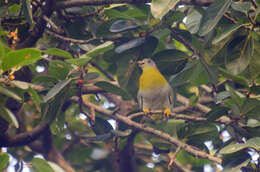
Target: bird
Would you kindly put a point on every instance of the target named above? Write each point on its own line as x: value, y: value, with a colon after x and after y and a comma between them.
x: 155, y: 93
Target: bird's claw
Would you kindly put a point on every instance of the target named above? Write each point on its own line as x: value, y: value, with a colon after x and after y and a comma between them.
x: 167, y: 112
x: 146, y: 111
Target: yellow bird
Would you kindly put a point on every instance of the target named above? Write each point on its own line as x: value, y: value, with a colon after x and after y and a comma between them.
x: 155, y: 93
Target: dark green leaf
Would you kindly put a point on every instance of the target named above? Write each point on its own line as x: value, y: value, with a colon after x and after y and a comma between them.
x: 212, y: 15
x: 217, y: 112
x: 170, y: 61
x: 59, y: 69
x: 122, y: 25
x: 174, y: 16
x: 2, y: 52
x: 101, y: 126
x: 161, y: 7
x: 21, y: 58
x: 4, y: 159
x: 239, y: 54
x: 225, y: 33
x: 186, y: 158
x: 57, y: 52
x: 235, y: 78
x: 113, y: 89
x: 41, y: 165
x: 56, y: 89
x: 149, y: 46
x: 210, y: 71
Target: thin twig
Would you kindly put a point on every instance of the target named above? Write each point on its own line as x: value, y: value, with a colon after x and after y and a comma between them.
x: 53, y: 25
x: 173, y: 157
x: 78, y: 41
x: 108, y: 75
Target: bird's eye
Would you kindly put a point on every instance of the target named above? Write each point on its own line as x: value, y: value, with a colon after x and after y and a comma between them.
x: 149, y: 61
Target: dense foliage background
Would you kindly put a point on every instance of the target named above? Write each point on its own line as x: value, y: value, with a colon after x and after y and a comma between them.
x: 69, y: 79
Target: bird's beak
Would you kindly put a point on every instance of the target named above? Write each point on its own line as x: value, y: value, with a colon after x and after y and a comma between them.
x: 140, y: 63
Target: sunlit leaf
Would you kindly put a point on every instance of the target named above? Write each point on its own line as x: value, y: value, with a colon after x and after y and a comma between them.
x: 59, y: 69
x: 21, y: 58
x: 9, y: 93
x: 41, y: 165
x: 57, y: 52
x: 4, y: 159
x: 9, y: 116
x: 161, y: 7
x: 101, y: 49
x: 79, y: 61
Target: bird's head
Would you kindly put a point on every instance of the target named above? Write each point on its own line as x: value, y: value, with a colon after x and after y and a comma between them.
x: 145, y: 63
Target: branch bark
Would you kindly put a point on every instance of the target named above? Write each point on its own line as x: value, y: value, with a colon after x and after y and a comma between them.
x: 193, y: 150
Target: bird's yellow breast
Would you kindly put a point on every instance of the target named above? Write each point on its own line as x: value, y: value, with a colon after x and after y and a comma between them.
x: 151, y: 78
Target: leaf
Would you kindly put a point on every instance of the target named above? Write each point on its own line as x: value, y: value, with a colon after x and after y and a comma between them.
x: 41, y: 165
x: 55, y: 167
x: 79, y: 61
x: 101, y: 126
x: 251, y: 143
x: 210, y: 72
x: 56, y: 89
x: 2, y: 52
x: 235, y: 78
x: 57, y: 52
x: 59, y: 69
x: 20, y: 58
x: 225, y: 33
x: 185, y: 158
x: 193, y: 21
x: 109, y: 45
x: 4, y: 159
x: 170, y: 61
x: 27, y: 11
x: 239, y: 54
x: 122, y: 25
x: 216, y: 112
x: 9, y: 93
x: 20, y: 84
x: 9, y: 116
x: 90, y: 76
x: 113, y: 89
x: 243, y: 7
x: 161, y: 7
x: 130, y: 44
x: 212, y: 15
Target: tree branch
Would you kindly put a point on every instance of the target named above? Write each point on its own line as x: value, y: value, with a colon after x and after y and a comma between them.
x: 193, y: 150
x: 24, y: 138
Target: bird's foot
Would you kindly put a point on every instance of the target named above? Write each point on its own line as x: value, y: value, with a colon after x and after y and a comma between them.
x: 167, y: 112
x: 146, y: 111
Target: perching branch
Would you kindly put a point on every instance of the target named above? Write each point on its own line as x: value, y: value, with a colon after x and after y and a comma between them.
x: 193, y: 150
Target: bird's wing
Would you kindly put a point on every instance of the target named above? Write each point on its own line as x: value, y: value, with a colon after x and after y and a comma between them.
x: 140, y: 99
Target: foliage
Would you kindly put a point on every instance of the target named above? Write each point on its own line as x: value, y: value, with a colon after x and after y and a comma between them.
x: 208, y: 51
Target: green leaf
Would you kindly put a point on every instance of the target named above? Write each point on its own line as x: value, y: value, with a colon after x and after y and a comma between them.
x: 35, y: 97
x: 79, y: 61
x: 27, y: 11
x: 210, y: 72
x: 59, y: 69
x: 109, y: 45
x: 57, y: 52
x: 55, y: 167
x: 20, y: 58
x: 212, y: 15
x: 4, y: 159
x: 20, y: 84
x: 185, y: 158
x: 170, y: 61
x: 193, y: 100
x: 239, y: 54
x: 216, y: 112
x: 235, y: 78
x: 113, y: 89
x: 161, y: 7
x: 243, y: 7
x: 9, y: 93
x: 225, y: 33
x: 8, y: 116
x: 2, y: 52
x: 41, y: 165
x: 56, y: 89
